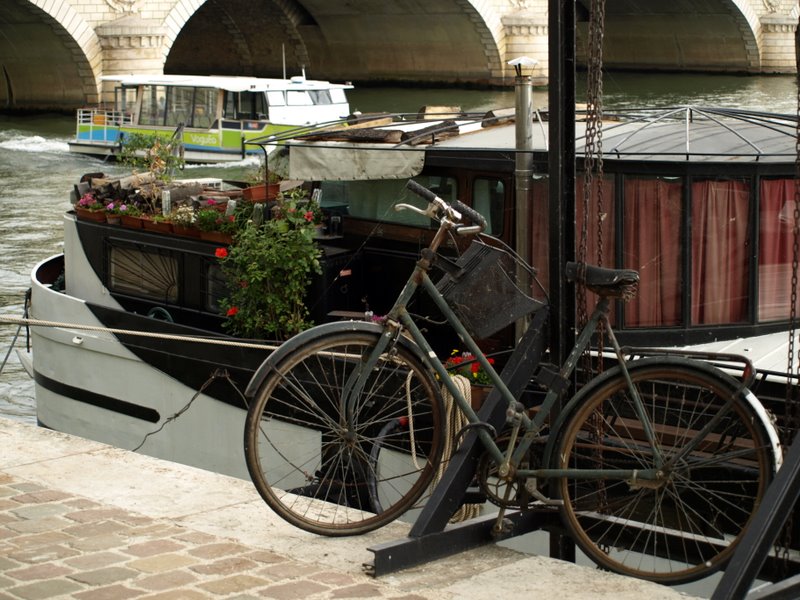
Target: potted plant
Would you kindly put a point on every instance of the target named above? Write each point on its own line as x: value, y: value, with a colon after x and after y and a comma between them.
x: 264, y: 185
x: 466, y: 365
x: 183, y: 221
x: 89, y: 208
x: 158, y: 222
x: 269, y: 270
x: 215, y: 226
x: 130, y: 215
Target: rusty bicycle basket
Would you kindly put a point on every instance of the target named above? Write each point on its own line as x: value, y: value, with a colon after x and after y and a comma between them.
x: 487, y: 290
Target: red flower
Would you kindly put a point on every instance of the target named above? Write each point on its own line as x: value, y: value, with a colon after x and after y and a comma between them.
x: 221, y: 252
x: 232, y: 311
x: 309, y: 216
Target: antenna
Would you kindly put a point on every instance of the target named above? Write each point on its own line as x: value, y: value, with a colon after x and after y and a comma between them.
x: 283, y: 58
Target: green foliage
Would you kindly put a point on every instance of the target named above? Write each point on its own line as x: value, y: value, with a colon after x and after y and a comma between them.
x: 268, y: 269
x: 152, y: 153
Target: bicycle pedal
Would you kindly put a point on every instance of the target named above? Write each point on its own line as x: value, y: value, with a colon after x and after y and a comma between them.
x: 502, y: 528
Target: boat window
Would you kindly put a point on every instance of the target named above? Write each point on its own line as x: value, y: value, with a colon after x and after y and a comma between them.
x: 488, y: 198
x: 125, y: 99
x: 338, y: 96
x: 246, y: 105
x: 215, y: 286
x: 720, y: 249
x: 320, y: 96
x: 205, y: 107
x: 775, y: 248
x: 652, y: 224
x: 298, y: 98
x: 154, y: 101
x: 179, y: 106
x: 597, y: 241
x: 375, y: 200
x: 145, y: 272
x: 276, y: 98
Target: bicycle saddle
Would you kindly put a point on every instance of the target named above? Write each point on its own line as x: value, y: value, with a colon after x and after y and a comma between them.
x: 616, y: 283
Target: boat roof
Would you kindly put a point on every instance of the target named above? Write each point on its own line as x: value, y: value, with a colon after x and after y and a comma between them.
x: 228, y: 83
x: 678, y: 134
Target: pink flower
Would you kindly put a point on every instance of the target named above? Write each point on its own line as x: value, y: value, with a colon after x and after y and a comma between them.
x: 309, y: 216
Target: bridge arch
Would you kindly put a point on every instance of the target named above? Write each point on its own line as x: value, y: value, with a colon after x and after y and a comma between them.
x: 398, y: 42
x: 51, y: 57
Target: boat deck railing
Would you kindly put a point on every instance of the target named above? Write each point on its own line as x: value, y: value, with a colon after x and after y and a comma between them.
x: 100, y: 124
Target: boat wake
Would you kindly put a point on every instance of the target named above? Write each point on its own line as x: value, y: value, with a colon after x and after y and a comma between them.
x: 11, y: 140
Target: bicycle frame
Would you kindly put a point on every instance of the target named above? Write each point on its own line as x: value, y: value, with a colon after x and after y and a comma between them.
x: 399, y: 316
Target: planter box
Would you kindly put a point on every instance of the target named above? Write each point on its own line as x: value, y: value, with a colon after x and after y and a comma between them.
x: 259, y: 193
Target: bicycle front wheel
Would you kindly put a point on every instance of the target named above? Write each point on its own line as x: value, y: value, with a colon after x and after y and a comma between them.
x: 713, y: 460
x: 343, y: 466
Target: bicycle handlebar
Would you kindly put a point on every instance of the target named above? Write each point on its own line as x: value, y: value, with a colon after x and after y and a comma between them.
x: 454, y: 211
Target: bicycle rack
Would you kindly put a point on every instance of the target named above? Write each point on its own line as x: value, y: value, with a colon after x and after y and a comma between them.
x: 430, y: 537
x: 754, y: 548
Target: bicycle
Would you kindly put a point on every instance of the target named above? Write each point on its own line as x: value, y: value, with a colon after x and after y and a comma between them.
x: 657, y: 464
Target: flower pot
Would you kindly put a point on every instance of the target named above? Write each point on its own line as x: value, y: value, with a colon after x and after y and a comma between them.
x: 97, y: 216
x: 131, y: 221
x: 113, y: 219
x: 217, y: 237
x: 259, y: 193
x: 479, y: 393
x: 158, y: 226
x: 185, y: 231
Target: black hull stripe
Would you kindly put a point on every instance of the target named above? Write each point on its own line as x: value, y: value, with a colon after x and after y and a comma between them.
x: 99, y: 400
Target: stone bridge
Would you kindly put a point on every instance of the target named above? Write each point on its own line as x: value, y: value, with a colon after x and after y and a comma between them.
x: 54, y: 52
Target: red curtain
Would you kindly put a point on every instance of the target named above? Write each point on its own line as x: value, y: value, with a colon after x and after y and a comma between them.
x: 775, y: 248
x: 720, y: 249
x: 651, y: 243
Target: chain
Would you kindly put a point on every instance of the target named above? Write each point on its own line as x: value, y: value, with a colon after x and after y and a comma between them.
x: 791, y: 422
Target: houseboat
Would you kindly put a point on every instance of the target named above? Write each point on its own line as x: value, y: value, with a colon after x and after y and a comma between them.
x: 700, y: 201
x: 214, y: 116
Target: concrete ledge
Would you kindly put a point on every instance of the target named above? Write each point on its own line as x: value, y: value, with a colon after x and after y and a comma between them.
x: 84, y: 520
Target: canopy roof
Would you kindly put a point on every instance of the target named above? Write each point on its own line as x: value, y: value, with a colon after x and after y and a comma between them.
x: 230, y: 84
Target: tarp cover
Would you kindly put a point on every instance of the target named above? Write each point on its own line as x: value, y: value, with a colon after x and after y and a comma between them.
x: 342, y: 161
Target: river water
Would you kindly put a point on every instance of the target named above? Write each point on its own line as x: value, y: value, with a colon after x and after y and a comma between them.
x: 37, y: 173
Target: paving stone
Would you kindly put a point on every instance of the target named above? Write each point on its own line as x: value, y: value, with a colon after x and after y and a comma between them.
x: 195, y: 537
x: 333, y: 578
x: 217, y: 550
x: 96, y: 560
x: 226, y: 566
x: 161, y: 563
x: 105, y: 576
x: 163, y: 581
x: 84, y: 530
x: 38, y: 496
x: 153, y: 547
x: 98, y: 542
x: 177, y: 595
x: 237, y: 583
x: 42, y: 554
x: 265, y: 556
x: 111, y: 592
x: 361, y: 590
x: 45, y: 589
x: 293, y: 590
x: 38, y: 525
x: 41, y: 571
x: 6, y: 564
x: 38, y: 511
x: 289, y: 570
x: 47, y: 538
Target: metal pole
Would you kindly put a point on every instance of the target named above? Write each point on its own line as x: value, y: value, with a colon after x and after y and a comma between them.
x: 523, y: 173
x: 561, y: 156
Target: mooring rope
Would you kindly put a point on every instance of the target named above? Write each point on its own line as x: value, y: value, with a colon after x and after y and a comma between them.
x: 455, y: 421
x: 164, y: 336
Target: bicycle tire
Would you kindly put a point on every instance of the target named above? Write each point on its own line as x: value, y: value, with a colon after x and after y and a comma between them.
x: 329, y: 478
x: 688, y: 524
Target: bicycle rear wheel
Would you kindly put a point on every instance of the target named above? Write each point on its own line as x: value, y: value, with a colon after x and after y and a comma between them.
x: 686, y: 523
x: 337, y: 469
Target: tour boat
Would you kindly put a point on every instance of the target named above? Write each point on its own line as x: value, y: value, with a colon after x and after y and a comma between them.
x: 700, y: 201
x: 215, y: 116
